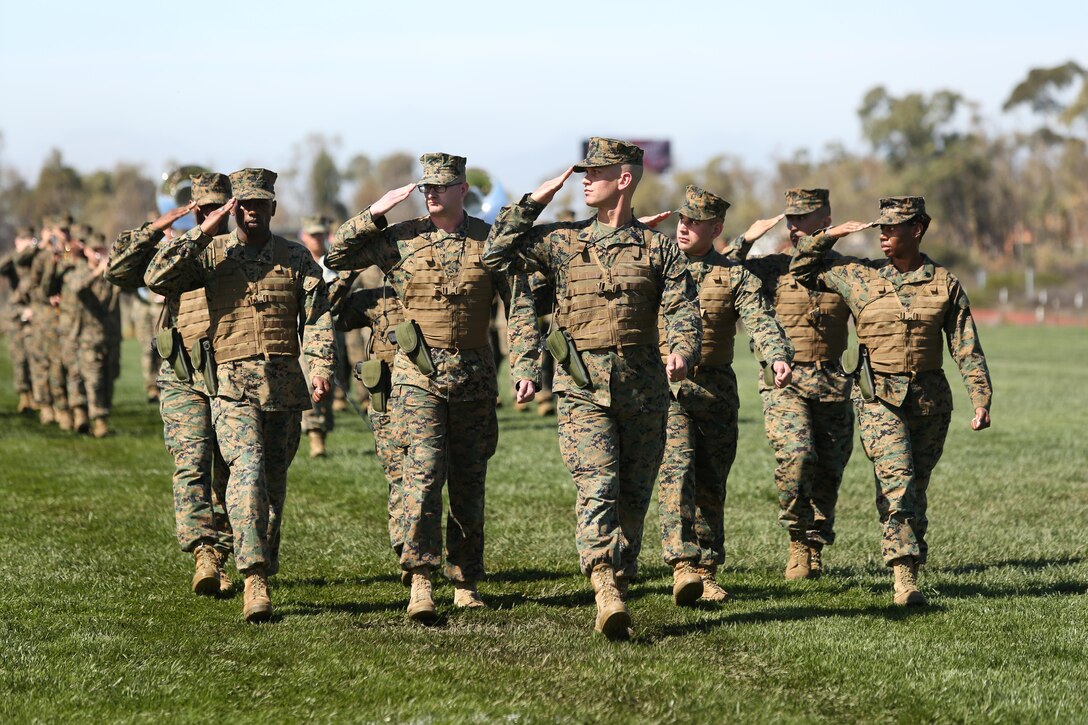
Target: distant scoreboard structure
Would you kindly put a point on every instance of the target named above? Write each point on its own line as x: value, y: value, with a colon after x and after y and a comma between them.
x: 658, y: 153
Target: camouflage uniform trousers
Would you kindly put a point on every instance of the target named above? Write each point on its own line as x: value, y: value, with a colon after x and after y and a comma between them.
x: 700, y: 447
x: 613, y: 454
x: 18, y: 335
x: 449, y: 443
x: 71, y: 372
x: 390, y: 449
x: 904, y: 448
x: 57, y: 347
x: 258, y: 446
x: 42, y: 331
x: 96, y: 372
x: 200, y: 473
x: 812, y: 443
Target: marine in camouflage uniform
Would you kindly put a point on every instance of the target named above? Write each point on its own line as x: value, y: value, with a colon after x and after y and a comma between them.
x: 47, y: 371
x: 448, y: 414
x: 70, y: 281
x: 96, y: 322
x: 809, y: 423
x: 320, y: 420
x: 612, y: 276
x: 15, y: 266
x: 264, y: 293
x: 903, y: 306
x: 701, y: 432
x: 380, y: 310
x: 200, y: 474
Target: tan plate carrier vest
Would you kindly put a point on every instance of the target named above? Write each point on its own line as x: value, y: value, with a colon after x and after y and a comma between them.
x: 905, y: 340
x: 609, y: 308
x: 816, y: 322
x: 719, y: 314
x: 452, y: 314
x: 385, y: 315
x: 192, y: 318
x: 253, y: 319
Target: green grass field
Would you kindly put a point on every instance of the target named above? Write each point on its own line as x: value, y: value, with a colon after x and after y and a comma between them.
x: 97, y: 622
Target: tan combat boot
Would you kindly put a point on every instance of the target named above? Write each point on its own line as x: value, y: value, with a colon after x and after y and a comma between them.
x: 152, y: 394
x: 206, y: 571
x: 25, y: 403
x: 687, y: 585
x: 100, y: 428
x: 545, y: 407
x: 80, y: 422
x: 256, y: 604
x: 421, y: 603
x: 466, y: 596
x: 317, y: 444
x: 798, y: 565
x: 64, y: 419
x: 623, y: 586
x: 46, y: 415
x: 613, y: 620
x: 226, y: 584
x: 712, y: 590
x: 906, y: 583
x: 815, y: 560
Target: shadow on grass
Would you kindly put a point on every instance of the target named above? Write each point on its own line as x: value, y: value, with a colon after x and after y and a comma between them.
x: 323, y: 581
x: 889, y: 612
x: 310, y: 609
x: 1032, y: 564
x: 952, y: 590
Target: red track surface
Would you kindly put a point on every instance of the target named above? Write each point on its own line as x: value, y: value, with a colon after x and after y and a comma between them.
x: 1027, y: 318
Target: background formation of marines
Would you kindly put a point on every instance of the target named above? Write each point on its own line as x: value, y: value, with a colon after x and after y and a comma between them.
x: 642, y: 327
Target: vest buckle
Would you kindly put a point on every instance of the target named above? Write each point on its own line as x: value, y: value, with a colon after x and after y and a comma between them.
x: 606, y: 288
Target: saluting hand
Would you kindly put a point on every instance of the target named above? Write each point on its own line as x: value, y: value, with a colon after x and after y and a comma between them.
x: 783, y: 373
x: 321, y: 389
x: 391, y: 198
x: 981, y: 421
x: 841, y: 230
x: 676, y: 367
x: 212, y: 221
x: 761, y: 227
x: 654, y: 219
x: 547, y: 191
x: 167, y: 220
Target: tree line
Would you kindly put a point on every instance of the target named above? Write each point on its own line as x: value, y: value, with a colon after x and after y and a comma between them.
x: 998, y: 199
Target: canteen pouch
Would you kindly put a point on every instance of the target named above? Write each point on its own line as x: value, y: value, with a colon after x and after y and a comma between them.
x: 204, y: 363
x: 377, y: 379
x: 855, y: 363
x: 561, y: 346
x: 410, y: 340
x: 765, y: 370
x: 168, y: 344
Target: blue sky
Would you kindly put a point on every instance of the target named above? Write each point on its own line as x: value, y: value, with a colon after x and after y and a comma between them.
x: 513, y: 86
